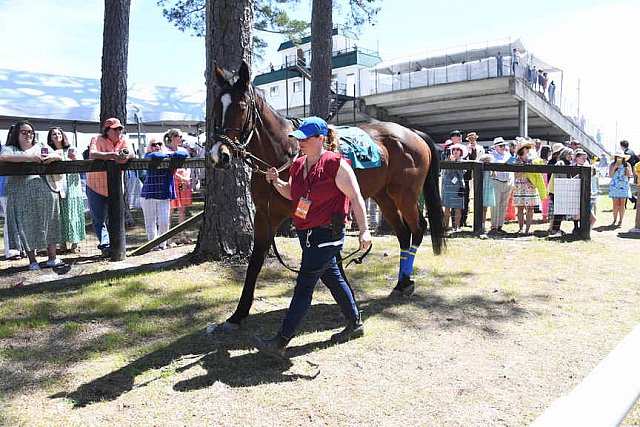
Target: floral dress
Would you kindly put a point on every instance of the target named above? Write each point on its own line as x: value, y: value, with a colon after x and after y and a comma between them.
x: 619, y: 187
x: 525, y: 193
x: 72, y: 209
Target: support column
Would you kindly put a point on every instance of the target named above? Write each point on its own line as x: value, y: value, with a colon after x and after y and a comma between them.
x: 523, y: 123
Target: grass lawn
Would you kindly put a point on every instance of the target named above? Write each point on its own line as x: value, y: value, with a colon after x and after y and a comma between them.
x: 497, y: 330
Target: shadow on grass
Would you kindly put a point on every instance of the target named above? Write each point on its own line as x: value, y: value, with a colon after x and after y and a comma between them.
x: 77, y: 282
x: 213, y: 353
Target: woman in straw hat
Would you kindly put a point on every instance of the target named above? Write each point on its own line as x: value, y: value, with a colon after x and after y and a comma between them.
x: 619, y: 188
x: 525, y: 194
x: 453, y: 188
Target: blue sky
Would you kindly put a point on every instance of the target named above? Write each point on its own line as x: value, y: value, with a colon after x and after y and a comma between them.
x: 593, y: 41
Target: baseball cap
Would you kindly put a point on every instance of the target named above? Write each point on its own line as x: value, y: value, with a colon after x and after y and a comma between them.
x: 113, y: 123
x: 310, y: 126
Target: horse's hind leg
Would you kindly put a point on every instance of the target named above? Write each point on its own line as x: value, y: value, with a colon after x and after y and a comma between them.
x: 404, y: 235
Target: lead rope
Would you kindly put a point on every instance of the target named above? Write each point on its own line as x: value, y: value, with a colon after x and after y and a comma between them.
x: 357, y: 260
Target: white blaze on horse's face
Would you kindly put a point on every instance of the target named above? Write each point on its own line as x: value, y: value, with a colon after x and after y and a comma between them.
x: 225, y: 100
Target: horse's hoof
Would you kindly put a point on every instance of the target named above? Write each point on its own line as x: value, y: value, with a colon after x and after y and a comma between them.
x: 224, y: 327
x: 404, y: 288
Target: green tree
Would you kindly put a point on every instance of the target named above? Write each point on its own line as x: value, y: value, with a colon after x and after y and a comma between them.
x: 270, y: 16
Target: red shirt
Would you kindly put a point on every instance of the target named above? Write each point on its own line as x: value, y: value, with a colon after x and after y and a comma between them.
x: 320, y: 188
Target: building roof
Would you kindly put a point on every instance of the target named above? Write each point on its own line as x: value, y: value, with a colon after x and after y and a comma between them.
x: 59, y: 99
x: 307, y: 39
x: 456, y: 55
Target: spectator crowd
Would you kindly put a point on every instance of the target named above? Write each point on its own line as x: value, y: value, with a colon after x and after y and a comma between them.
x: 47, y: 212
x: 517, y: 196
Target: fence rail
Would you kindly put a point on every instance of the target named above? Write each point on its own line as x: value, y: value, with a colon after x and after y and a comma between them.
x: 117, y: 200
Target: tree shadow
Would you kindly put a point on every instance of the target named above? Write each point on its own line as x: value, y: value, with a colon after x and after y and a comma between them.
x: 81, y: 280
x: 213, y: 353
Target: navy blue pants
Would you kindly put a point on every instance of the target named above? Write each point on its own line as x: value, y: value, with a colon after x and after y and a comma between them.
x: 319, y: 251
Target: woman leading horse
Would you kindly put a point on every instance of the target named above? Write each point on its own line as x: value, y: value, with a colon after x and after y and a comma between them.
x: 246, y: 126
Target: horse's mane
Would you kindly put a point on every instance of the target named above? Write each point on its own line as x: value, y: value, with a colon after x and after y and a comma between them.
x: 259, y: 95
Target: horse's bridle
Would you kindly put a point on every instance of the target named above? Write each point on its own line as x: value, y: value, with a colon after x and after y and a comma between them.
x: 239, y: 146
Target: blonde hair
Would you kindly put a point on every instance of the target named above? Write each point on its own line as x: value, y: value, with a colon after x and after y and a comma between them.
x: 331, y: 141
x: 151, y: 141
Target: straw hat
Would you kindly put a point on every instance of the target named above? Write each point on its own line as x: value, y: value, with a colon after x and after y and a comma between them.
x: 524, y: 143
x: 471, y: 135
x: 622, y: 155
x: 557, y: 147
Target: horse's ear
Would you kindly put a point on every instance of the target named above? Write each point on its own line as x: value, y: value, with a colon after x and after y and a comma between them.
x: 220, y: 75
x: 243, y: 75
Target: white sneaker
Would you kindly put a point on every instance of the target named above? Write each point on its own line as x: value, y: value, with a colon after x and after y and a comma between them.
x: 634, y: 230
x: 52, y: 263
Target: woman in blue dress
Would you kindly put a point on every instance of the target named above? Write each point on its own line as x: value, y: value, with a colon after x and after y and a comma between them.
x: 453, y: 188
x: 619, y: 188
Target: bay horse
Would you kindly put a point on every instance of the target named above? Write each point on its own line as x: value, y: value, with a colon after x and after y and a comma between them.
x: 245, y: 125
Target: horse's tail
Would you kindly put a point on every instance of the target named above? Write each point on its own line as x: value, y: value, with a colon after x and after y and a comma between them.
x: 431, y: 191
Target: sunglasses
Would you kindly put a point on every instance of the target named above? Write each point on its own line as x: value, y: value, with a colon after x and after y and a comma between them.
x: 156, y: 144
x: 26, y: 132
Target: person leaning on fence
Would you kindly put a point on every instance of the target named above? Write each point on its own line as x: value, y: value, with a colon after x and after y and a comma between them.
x: 33, y: 209
x: 488, y: 190
x: 72, y: 198
x: 619, y: 187
x: 320, y: 186
x: 111, y: 144
x: 474, y: 152
x: 580, y: 159
x: 525, y: 194
x: 158, y: 189
x: 561, y: 156
x: 543, y: 159
x: 453, y: 185
x: 503, y: 183
x: 182, y: 177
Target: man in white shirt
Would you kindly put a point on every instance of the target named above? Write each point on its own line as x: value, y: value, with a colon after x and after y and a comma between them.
x: 503, y: 182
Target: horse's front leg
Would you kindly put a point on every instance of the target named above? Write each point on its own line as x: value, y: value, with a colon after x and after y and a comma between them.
x: 256, y: 262
x: 265, y: 228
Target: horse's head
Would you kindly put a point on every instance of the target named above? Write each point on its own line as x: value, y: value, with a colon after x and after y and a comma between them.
x: 235, y: 115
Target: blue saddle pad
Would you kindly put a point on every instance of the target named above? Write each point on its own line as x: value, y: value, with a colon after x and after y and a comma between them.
x: 357, y: 146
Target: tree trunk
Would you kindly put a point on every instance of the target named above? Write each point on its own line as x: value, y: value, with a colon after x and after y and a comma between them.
x: 227, y: 228
x: 115, y: 52
x: 321, y: 44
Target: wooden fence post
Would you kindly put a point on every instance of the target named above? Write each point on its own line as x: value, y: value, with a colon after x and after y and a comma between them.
x: 116, y: 211
x: 585, y: 201
x: 478, y: 184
